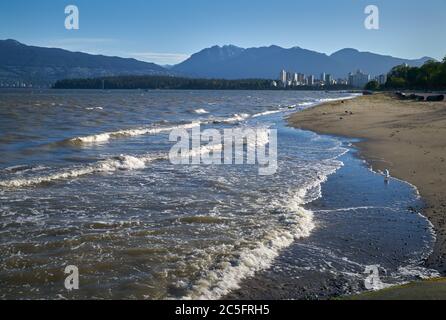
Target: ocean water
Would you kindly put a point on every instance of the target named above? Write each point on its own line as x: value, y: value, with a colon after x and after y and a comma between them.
x: 85, y: 180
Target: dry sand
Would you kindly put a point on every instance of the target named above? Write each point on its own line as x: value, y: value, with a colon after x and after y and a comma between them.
x: 406, y: 137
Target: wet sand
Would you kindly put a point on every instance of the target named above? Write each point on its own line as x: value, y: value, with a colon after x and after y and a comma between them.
x: 406, y: 137
x: 434, y: 289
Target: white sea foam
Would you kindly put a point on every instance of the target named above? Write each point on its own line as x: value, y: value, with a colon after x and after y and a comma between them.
x: 97, y: 138
x: 235, y: 118
x: 267, y: 113
x: 418, y: 272
x: 104, y: 137
x: 218, y: 283
x: 352, y: 96
x: 227, y: 277
x: 302, y: 104
x: 123, y: 162
x: 201, y: 111
x: 307, y: 104
x: 351, y: 209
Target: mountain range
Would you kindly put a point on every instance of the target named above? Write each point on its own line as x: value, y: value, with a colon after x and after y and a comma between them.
x: 232, y: 62
x: 38, y: 65
x: 19, y: 62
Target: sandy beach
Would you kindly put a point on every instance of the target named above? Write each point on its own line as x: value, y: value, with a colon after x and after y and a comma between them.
x: 405, y: 137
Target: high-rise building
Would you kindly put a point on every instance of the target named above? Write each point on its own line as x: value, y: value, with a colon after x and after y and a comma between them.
x: 310, y: 80
x: 322, y: 77
x: 295, y: 79
x: 358, y: 79
x: 382, y: 79
x: 289, y: 78
x: 282, y: 77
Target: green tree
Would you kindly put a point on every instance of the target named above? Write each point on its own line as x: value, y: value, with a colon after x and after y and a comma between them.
x: 430, y: 76
x: 396, y: 83
x: 372, y: 85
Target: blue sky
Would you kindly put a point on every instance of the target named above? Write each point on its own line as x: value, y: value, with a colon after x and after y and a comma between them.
x: 168, y: 31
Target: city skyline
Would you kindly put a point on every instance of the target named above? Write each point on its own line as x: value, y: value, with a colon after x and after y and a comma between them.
x: 168, y: 32
x: 357, y: 79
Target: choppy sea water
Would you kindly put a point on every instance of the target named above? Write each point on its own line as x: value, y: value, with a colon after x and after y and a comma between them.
x: 85, y: 180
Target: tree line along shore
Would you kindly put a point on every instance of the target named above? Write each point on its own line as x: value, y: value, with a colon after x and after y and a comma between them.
x: 178, y: 83
x: 431, y: 76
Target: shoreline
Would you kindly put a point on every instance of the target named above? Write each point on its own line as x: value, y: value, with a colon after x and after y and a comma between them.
x: 402, y: 136
x: 305, y: 270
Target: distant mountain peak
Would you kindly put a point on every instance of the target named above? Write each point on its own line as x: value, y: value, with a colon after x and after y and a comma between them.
x: 426, y: 58
x: 13, y: 42
x: 225, y: 46
x: 231, y: 46
x: 345, y: 51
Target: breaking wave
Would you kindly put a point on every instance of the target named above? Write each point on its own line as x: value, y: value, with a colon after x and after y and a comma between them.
x: 266, y: 113
x: 118, y: 163
x: 227, y: 276
x: 122, y: 162
x: 200, y: 111
x: 104, y: 137
x: 233, y: 119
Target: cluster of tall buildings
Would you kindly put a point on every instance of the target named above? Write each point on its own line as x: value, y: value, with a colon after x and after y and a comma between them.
x: 360, y: 79
x: 293, y: 79
x: 357, y: 79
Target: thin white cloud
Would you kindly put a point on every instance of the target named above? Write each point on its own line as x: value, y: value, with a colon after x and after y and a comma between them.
x: 160, y: 58
x: 107, y: 46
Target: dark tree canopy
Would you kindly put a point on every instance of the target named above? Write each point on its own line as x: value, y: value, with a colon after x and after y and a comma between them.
x: 430, y: 76
x: 372, y: 85
x: 166, y: 82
